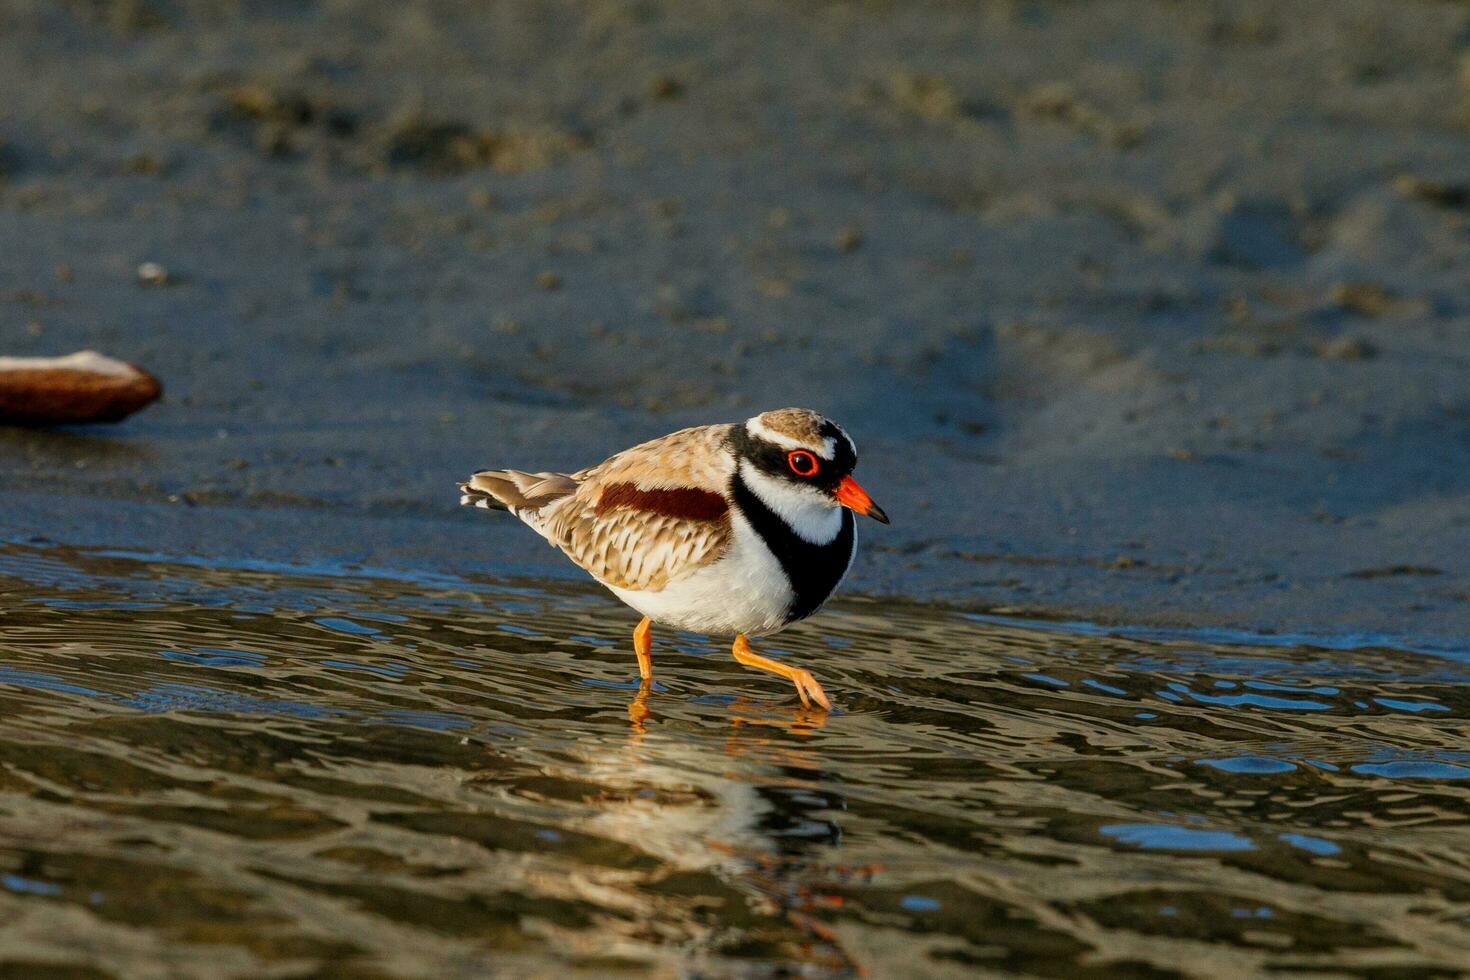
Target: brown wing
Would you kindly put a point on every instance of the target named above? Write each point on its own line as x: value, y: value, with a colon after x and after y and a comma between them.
x: 650, y: 515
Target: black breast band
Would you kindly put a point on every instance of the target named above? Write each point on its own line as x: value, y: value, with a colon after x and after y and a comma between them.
x: 813, y: 569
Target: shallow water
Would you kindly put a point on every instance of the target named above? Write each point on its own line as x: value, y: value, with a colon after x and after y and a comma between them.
x: 252, y: 771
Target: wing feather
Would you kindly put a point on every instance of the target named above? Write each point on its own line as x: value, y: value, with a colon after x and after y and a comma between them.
x: 651, y: 515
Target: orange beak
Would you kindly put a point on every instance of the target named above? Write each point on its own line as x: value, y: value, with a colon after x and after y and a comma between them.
x: 852, y: 496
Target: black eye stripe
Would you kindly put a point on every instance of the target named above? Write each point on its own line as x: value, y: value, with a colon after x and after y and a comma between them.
x: 772, y: 459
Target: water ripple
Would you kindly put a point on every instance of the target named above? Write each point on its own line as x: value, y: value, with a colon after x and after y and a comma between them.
x: 277, y: 771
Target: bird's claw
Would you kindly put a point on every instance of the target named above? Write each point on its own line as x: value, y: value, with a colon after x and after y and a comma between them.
x: 809, y: 690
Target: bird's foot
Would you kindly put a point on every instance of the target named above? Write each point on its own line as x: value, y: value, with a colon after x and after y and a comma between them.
x: 809, y: 690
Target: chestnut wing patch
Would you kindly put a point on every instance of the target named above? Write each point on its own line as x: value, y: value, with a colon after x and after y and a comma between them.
x: 644, y: 539
x: 683, y: 503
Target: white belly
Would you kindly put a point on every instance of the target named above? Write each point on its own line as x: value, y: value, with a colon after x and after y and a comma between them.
x: 744, y: 592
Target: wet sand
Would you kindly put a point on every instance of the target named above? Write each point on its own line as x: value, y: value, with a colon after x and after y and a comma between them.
x: 1140, y: 312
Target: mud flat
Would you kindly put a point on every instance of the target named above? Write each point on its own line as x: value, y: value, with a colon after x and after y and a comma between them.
x: 1139, y: 311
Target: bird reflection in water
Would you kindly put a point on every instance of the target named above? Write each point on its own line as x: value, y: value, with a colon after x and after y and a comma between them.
x: 754, y: 809
x: 800, y: 720
x: 639, y: 711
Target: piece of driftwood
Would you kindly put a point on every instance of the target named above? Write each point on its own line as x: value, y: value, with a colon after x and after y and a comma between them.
x: 81, y: 387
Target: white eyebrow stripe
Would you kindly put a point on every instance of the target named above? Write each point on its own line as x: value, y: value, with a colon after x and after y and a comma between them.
x: 758, y: 429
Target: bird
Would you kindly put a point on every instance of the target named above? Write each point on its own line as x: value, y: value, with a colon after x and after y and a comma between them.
x: 739, y: 528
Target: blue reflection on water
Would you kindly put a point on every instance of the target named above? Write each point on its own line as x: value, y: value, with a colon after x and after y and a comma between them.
x: 44, y: 682
x: 391, y: 671
x: 438, y: 720
x: 1253, y: 700
x: 919, y: 903
x: 214, y: 657
x: 189, y: 697
x: 1235, y: 637
x: 343, y: 625
x: 628, y: 685
x: 1313, y: 845
x: 1274, y: 686
x: 1164, y: 836
x: 1414, y: 706
x: 97, y: 604
x: 381, y: 617
x: 1249, y: 765
x: 1413, y: 769
x: 1259, y: 912
x: 28, y: 886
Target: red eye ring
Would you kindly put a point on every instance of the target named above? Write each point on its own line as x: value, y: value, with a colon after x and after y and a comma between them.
x: 802, y: 463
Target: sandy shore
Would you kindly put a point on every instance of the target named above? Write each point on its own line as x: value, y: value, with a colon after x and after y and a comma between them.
x: 1138, y: 311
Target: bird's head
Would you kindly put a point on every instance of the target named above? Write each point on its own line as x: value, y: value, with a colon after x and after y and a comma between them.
x: 796, y: 459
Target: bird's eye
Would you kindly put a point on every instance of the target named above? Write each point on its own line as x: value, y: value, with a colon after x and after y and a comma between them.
x: 802, y: 463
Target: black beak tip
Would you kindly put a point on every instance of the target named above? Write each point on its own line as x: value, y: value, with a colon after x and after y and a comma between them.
x: 877, y: 514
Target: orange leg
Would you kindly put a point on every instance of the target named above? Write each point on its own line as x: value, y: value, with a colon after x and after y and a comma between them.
x: 642, y: 643
x: 807, y: 687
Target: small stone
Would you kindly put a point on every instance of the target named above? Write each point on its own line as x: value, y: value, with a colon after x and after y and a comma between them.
x: 1363, y: 298
x: 713, y: 324
x: 666, y: 87
x: 928, y: 96
x: 848, y: 239
x: 1439, y: 192
x: 548, y: 281
x: 274, y: 140
x: 143, y: 163
x: 153, y: 274
x: 1347, y: 349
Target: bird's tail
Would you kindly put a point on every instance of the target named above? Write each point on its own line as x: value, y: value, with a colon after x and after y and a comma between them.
x: 515, y: 491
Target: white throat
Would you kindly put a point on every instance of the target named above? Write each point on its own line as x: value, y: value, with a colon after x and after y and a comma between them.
x: 812, y: 515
